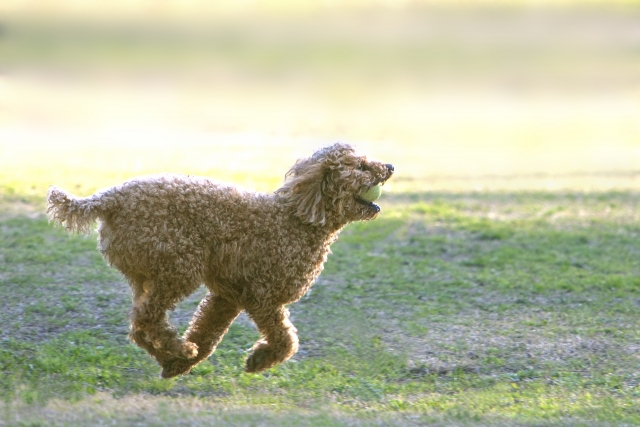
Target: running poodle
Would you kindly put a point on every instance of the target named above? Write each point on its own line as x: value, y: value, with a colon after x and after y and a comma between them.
x: 257, y: 252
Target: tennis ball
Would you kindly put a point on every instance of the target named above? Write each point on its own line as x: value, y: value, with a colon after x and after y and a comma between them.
x: 372, y: 194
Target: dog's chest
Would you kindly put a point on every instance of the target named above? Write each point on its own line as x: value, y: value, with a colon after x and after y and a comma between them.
x: 281, y: 267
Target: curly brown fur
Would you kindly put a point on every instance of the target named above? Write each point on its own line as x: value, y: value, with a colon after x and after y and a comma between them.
x: 255, y: 252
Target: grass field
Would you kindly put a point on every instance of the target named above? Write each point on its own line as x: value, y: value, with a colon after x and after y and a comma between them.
x: 500, y: 285
x: 467, y: 308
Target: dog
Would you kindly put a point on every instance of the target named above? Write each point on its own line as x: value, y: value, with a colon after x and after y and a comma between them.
x: 257, y: 252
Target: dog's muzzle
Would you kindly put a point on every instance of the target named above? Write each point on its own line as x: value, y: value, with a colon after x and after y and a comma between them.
x: 368, y: 204
x: 371, y: 205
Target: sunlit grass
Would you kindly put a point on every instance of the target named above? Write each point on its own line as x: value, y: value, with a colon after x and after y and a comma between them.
x: 587, y: 152
x: 457, y: 99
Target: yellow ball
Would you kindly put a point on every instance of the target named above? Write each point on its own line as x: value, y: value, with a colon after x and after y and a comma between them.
x: 372, y: 194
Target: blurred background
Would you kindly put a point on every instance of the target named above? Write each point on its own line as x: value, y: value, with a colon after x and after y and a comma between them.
x: 459, y: 96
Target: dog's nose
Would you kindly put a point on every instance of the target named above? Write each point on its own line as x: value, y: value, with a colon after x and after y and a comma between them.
x: 390, y: 167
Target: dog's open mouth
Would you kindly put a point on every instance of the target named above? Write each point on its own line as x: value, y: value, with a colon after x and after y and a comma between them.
x: 368, y: 204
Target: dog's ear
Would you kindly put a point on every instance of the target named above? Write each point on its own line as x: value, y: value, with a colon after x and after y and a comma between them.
x: 303, y: 190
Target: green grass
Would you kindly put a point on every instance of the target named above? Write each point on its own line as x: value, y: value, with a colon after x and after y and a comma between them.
x: 475, y: 309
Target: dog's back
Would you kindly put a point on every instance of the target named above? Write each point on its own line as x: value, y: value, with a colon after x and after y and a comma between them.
x: 150, y: 222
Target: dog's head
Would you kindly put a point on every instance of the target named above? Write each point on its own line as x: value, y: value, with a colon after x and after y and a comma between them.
x: 326, y: 188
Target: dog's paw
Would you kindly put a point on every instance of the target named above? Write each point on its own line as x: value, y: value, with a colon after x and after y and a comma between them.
x: 259, y: 360
x: 189, y: 350
x: 174, y: 367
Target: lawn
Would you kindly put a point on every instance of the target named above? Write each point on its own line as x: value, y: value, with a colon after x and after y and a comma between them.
x: 499, y: 286
x: 474, y: 307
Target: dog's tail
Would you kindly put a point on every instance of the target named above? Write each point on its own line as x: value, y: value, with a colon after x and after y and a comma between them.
x: 75, y: 214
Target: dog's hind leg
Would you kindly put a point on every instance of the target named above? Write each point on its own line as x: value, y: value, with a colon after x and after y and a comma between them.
x: 209, y: 324
x: 279, y: 340
x: 150, y: 327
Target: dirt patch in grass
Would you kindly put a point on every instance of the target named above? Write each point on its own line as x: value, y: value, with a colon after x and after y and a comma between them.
x: 66, y: 308
x: 54, y: 290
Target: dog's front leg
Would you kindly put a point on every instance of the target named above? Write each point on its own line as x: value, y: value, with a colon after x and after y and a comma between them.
x: 279, y: 340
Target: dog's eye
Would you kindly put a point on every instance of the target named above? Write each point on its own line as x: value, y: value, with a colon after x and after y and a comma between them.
x: 361, y: 167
